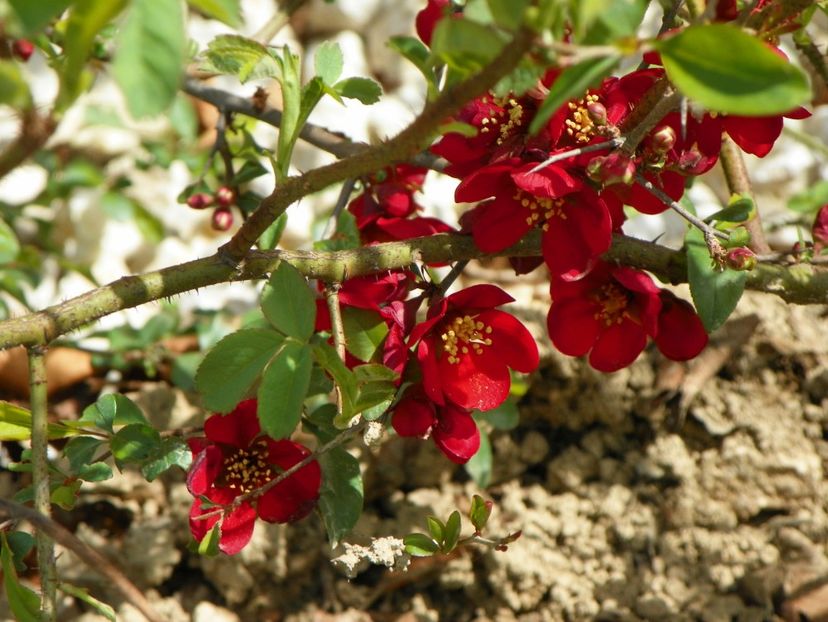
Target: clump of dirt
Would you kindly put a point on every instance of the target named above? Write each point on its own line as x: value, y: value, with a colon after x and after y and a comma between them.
x: 661, y: 492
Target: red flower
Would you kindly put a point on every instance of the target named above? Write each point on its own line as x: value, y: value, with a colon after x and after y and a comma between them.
x: 466, y: 347
x: 428, y: 17
x: 681, y: 335
x: 453, y: 429
x: 820, y: 229
x: 233, y: 459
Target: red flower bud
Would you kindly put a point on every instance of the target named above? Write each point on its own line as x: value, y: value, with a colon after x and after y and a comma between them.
x: 225, y: 196
x: 597, y: 113
x: 615, y: 168
x: 820, y: 229
x: 23, y: 49
x: 741, y: 258
x: 200, y: 200
x: 663, y: 139
x: 222, y: 219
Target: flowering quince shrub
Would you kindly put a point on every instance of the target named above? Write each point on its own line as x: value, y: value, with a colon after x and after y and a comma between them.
x: 560, y: 122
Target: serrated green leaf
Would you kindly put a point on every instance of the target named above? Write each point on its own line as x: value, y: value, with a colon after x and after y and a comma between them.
x: 508, y: 13
x: 715, y: 292
x: 417, y: 53
x: 23, y: 602
x: 21, y: 543
x: 465, y: 45
x: 34, y: 16
x: 227, y: 11
x: 229, y: 370
x: 149, y: 56
x: 341, y: 494
x: 363, y: 89
x: 479, y: 467
x: 66, y: 496
x: 479, y: 513
x: 420, y: 545
x: 82, y: 594
x: 739, y: 209
x: 365, y: 332
x: 14, y: 91
x: 135, y: 443
x: 111, y: 410
x: 288, y: 303
x: 271, y: 236
x: 171, y: 452
x: 809, y: 201
x: 241, y: 57
x: 603, y: 21
x: 573, y: 82
x: 81, y: 450
x: 86, y: 19
x: 283, y: 389
x: 451, y: 532
x: 16, y: 424
x: 435, y: 528
x: 327, y: 358
x: 726, y: 70
x: 329, y: 62
x: 289, y: 80
x: 96, y: 472
x: 346, y: 236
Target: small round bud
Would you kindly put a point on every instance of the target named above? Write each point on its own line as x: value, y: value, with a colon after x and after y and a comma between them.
x: 597, y: 113
x: 741, y: 258
x: 663, y: 139
x: 222, y: 219
x: 200, y: 200
x: 23, y: 49
x: 615, y: 168
x: 225, y: 196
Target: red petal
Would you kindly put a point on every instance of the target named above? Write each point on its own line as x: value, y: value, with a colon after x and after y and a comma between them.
x: 499, y: 223
x: 573, y: 326
x: 681, y: 335
x: 571, y: 245
x: 754, y: 135
x: 427, y: 356
x: 618, y: 346
x: 797, y: 113
x: 479, y: 297
x: 204, y: 470
x: 199, y: 527
x: 237, y: 529
x: 413, y: 417
x: 476, y: 381
x: 552, y: 181
x: 237, y: 428
x: 486, y: 182
x: 293, y: 498
x: 511, y: 341
x: 457, y: 435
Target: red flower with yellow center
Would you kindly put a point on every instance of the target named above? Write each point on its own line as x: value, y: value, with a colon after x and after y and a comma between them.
x: 466, y: 347
x: 232, y: 459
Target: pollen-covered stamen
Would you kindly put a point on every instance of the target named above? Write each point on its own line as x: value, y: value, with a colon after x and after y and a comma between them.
x: 613, y: 302
x: 542, y: 209
x: 464, y: 335
x: 247, y: 469
x: 580, y: 125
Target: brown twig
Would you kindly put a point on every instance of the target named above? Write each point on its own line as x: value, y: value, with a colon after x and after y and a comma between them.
x: 35, y: 130
x: 738, y: 182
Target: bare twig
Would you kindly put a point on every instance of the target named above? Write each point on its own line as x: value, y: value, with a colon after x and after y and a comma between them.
x: 94, y: 560
x: 738, y: 182
x: 35, y: 130
x: 338, y: 332
x: 571, y: 153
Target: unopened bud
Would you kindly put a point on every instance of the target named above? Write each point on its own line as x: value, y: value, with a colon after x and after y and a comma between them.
x: 23, y: 49
x: 615, y: 168
x: 222, y: 219
x: 820, y: 229
x: 663, y: 139
x: 597, y: 113
x: 225, y: 196
x: 741, y: 258
x: 689, y: 160
x: 200, y: 200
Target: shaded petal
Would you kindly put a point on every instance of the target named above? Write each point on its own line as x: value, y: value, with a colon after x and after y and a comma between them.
x: 413, y: 417
x: 572, y: 244
x: 486, y: 182
x: 200, y: 527
x: 456, y: 434
x: 294, y: 497
x: 681, y: 335
x: 475, y: 381
x: 237, y: 529
x: 482, y: 296
x: 573, y: 325
x: 427, y: 356
x: 204, y: 470
x: 551, y: 181
x: 237, y: 428
x: 511, y: 341
x: 754, y: 135
x: 618, y: 346
x: 499, y: 223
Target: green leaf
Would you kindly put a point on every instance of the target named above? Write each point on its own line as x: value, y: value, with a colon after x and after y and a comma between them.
x: 341, y: 495
x: 435, y: 528
x: 171, y: 452
x: 14, y: 91
x: 227, y: 11
x: 452, y: 532
x: 504, y: 417
x: 508, y: 13
x: 23, y: 602
x: 573, y: 82
x: 209, y: 545
x: 416, y: 52
x: 809, y: 201
x: 479, y: 512
x: 604, y: 21
x: 82, y: 594
x: 21, y: 544
x: 229, y: 370
x: 715, y: 292
x: 327, y: 358
x: 479, y: 467
x: 288, y: 303
x: 249, y: 171
x: 365, y: 332
x: 35, y: 15
x: 739, y: 209
x: 150, y: 55
x: 727, y: 70
x: 86, y: 19
x: 271, y: 236
x: 363, y: 89
x: 465, y: 45
x: 329, y: 62
x: 420, y: 545
x: 135, y: 443
x: 375, y: 392
x: 111, y: 410
x: 283, y: 389
x: 16, y: 424
x: 290, y: 82
x: 241, y: 57
x: 66, y: 495
x: 346, y: 236
x: 81, y: 453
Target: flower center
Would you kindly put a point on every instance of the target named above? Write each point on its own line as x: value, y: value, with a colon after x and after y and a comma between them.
x: 508, y: 119
x: 541, y: 209
x: 247, y: 469
x: 579, y: 125
x: 613, y: 301
x: 464, y: 335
